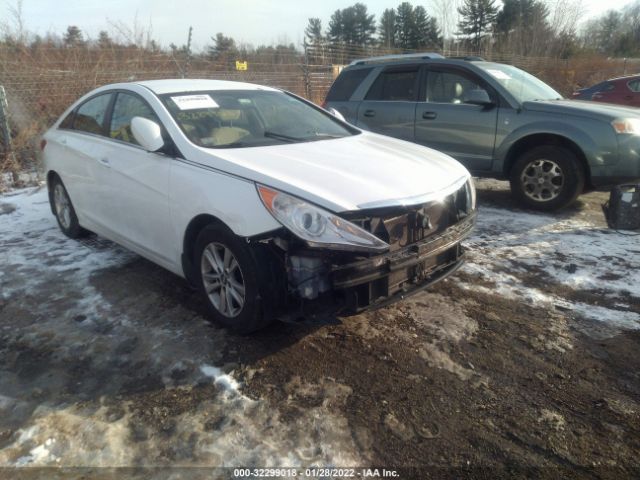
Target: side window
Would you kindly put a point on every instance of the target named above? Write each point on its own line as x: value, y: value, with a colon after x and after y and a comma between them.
x: 67, y: 122
x: 634, y: 86
x: 346, y: 84
x: 449, y: 87
x: 125, y: 108
x: 395, y: 85
x: 90, y: 115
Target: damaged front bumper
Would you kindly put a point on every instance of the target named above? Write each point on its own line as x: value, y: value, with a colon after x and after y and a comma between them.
x: 385, y: 278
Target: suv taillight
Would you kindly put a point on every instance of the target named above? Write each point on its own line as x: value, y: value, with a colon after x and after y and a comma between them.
x: 43, y: 143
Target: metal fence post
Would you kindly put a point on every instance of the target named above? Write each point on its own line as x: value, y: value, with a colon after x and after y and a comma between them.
x: 306, y: 73
x: 5, y: 131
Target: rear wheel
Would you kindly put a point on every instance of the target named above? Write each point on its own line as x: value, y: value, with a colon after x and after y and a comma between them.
x: 64, y: 211
x: 547, y: 178
x: 231, y: 279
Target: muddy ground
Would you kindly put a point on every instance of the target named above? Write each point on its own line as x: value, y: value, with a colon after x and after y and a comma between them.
x: 524, y: 364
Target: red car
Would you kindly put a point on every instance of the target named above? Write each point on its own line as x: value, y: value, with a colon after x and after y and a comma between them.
x: 622, y: 91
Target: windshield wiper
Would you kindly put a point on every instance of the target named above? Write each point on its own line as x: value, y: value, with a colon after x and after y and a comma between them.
x: 282, y: 136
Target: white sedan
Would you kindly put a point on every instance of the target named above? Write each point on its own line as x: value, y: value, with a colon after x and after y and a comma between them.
x: 265, y: 202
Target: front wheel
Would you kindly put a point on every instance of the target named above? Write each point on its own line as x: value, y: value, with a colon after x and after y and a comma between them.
x: 231, y: 279
x: 547, y: 178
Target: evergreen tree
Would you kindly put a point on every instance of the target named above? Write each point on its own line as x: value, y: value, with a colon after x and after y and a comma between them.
x: 387, y: 28
x: 352, y: 26
x: 313, y: 32
x: 223, y: 48
x: 405, y: 26
x: 477, y: 19
x: 73, y: 36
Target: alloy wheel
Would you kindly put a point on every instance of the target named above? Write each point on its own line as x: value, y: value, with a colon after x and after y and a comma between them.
x: 222, y: 279
x: 542, y: 180
x: 63, y: 206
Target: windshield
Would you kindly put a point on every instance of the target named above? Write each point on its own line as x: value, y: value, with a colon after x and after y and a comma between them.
x: 250, y: 118
x: 522, y: 85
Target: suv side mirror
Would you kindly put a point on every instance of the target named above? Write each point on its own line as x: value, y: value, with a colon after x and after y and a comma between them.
x: 147, y: 133
x: 477, y: 96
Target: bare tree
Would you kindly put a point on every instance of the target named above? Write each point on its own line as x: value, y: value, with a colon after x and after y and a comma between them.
x: 15, y: 29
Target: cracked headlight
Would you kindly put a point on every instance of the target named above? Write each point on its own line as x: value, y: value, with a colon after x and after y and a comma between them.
x: 318, y: 227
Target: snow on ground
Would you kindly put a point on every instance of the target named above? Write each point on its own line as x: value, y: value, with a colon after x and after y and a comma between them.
x: 555, y: 262
x: 81, y: 326
x: 80, y: 346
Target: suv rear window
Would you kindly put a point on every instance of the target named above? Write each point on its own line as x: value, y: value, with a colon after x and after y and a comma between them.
x: 346, y: 84
x: 394, y: 85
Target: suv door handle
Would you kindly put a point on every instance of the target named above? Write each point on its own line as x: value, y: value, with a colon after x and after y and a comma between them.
x: 105, y: 161
x: 429, y: 115
x: 369, y: 113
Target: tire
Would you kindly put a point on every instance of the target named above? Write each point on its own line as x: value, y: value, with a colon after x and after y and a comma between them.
x: 233, y: 280
x: 547, y: 178
x: 63, y: 210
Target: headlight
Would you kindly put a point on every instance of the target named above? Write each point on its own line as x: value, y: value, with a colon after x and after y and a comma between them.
x: 627, y: 125
x: 316, y: 226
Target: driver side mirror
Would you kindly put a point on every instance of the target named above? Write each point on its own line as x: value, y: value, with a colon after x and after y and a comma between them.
x: 477, y: 96
x: 147, y: 133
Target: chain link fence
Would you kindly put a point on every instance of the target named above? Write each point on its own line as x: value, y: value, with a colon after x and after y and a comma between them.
x: 41, y: 82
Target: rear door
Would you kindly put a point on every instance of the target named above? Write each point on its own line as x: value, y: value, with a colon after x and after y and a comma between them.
x: 446, y: 123
x: 341, y: 94
x: 389, y: 105
x: 77, y: 140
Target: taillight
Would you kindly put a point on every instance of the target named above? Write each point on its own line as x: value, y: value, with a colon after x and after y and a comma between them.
x: 43, y: 143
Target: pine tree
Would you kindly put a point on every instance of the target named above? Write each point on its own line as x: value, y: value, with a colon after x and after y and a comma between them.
x: 387, y: 28
x: 313, y: 32
x: 405, y: 26
x: 478, y: 18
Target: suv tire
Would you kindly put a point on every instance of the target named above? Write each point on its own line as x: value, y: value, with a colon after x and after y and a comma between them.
x: 547, y: 178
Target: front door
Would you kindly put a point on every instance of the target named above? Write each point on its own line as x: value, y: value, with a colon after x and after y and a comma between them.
x: 137, y: 182
x: 446, y: 123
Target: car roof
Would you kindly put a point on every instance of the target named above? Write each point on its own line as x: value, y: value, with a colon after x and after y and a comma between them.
x: 625, y: 78
x: 161, y: 87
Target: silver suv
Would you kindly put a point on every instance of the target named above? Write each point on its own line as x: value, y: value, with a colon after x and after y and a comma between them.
x: 497, y: 120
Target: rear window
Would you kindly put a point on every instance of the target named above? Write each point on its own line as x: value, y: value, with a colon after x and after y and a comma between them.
x: 394, y: 85
x: 346, y: 84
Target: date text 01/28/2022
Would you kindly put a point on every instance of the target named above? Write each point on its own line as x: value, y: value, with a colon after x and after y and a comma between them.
x: 315, y: 473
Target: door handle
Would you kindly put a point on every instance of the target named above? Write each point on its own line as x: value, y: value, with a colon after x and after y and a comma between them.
x: 429, y: 115
x: 369, y: 113
x: 105, y: 161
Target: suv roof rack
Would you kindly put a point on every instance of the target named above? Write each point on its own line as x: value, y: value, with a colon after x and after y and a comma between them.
x: 469, y: 58
x: 391, y: 58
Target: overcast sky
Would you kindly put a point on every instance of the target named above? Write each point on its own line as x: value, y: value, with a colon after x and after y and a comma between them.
x: 251, y: 21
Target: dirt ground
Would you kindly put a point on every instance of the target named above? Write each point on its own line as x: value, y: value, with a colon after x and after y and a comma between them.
x: 524, y: 364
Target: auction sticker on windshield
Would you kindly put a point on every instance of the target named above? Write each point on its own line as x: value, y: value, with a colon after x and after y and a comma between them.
x: 192, y: 102
x: 499, y: 74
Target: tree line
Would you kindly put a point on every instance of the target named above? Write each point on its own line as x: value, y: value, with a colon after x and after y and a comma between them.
x: 544, y: 28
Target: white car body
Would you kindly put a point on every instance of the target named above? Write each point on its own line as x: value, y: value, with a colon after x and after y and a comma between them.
x: 146, y: 201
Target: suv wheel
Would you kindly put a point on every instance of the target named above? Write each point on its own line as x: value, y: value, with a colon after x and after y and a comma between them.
x: 547, y: 178
x: 231, y: 280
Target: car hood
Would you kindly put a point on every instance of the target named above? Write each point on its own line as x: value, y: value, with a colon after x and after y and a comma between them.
x: 361, y: 171
x: 602, y: 111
